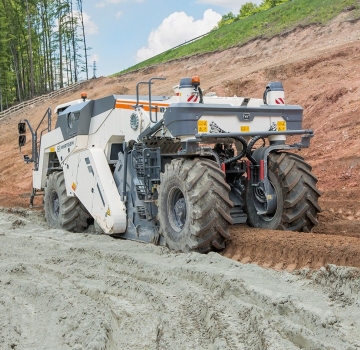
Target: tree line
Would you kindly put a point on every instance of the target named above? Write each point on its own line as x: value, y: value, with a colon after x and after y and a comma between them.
x: 42, y: 47
x: 247, y: 10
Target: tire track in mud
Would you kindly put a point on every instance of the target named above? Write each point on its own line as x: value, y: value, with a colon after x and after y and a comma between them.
x: 75, y: 291
x: 285, y: 250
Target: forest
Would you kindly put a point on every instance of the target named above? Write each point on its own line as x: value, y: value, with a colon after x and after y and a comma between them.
x: 42, y: 47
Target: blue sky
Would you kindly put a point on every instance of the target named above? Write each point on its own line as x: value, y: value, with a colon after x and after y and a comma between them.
x: 124, y: 32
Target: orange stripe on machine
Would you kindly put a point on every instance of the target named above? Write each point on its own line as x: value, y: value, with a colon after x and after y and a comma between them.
x: 123, y: 105
x: 126, y: 104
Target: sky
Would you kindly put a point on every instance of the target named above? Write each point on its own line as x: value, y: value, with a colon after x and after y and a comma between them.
x: 122, y: 33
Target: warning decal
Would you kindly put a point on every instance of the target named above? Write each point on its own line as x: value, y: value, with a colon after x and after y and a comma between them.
x: 245, y: 128
x: 202, y: 126
x: 192, y: 98
x: 281, y: 126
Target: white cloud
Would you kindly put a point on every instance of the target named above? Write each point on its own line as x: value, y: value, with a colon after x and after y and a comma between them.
x: 176, y: 29
x: 118, y: 14
x: 232, y: 5
x: 90, y: 26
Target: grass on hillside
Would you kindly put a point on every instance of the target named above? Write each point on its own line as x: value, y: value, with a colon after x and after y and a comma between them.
x: 264, y: 24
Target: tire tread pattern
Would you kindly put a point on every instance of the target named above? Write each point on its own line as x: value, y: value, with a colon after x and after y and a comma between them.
x: 208, y: 204
x: 300, y: 192
x: 72, y: 215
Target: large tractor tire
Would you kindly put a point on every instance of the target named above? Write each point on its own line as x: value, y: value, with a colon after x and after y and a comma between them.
x: 194, y: 206
x: 62, y: 211
x: 297, y: 196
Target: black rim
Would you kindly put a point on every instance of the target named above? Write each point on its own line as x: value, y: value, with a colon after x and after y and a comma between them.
x: 55, y: 203
x: 176, y: 205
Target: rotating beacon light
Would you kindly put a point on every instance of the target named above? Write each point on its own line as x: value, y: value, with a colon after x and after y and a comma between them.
x: 189, y: 90
x: 84, y: 96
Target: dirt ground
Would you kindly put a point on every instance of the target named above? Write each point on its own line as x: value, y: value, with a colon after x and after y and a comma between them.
x: 62, y: 290
x: 319, y: 67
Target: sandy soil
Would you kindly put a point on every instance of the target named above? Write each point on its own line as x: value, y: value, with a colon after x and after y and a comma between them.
x: 61, y: 290
x: 319, y: 69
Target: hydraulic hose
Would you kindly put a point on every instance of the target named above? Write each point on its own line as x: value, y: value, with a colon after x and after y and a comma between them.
x: 241, y: 154
x: 265, y: 93
x: 201, y: 95
x: 250, y: 146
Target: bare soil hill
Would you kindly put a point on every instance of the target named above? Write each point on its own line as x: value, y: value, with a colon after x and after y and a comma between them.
x: 319, y: 67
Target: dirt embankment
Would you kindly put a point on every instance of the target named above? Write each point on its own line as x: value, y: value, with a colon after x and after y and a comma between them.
x: 319, y: 69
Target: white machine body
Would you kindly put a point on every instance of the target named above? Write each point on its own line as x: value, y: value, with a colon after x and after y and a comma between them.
x: 89, y: 134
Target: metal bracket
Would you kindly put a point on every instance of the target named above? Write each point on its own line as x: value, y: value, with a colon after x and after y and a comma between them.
x: 261, y: 156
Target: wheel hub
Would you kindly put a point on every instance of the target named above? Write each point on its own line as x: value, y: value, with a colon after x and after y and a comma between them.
x: 55, y: 203
x: 261, y: 202
x: 180, y: 212
x: 177, y: 208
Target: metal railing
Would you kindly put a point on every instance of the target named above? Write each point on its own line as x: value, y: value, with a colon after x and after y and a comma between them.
x: 173, y: 48
x: 38, y: 99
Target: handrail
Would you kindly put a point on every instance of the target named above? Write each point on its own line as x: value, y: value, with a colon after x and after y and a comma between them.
x: 137, y: 97
x: 35, y: 148
x: 52, y: 94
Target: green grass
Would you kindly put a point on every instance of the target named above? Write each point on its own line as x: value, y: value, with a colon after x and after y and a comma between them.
x: 264, y: 24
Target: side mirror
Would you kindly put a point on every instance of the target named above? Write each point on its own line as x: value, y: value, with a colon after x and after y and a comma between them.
x: 22, y: 128
x: 22, y: 140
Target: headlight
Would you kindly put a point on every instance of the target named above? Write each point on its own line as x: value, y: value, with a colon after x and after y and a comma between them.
x: 72, y: 117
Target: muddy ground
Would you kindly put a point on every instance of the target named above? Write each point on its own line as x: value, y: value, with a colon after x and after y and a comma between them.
x: 61, y: 290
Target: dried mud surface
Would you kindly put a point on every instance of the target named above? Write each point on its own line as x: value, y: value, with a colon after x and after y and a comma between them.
x: 319, y: 67
x: 61, y: 290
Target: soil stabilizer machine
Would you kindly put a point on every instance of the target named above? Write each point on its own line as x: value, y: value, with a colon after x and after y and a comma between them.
x: 174, y: 171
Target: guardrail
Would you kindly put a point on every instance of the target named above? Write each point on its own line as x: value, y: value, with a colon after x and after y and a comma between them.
x: 173, y: 48
x: 187, y: 42
x: 42, y: 98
